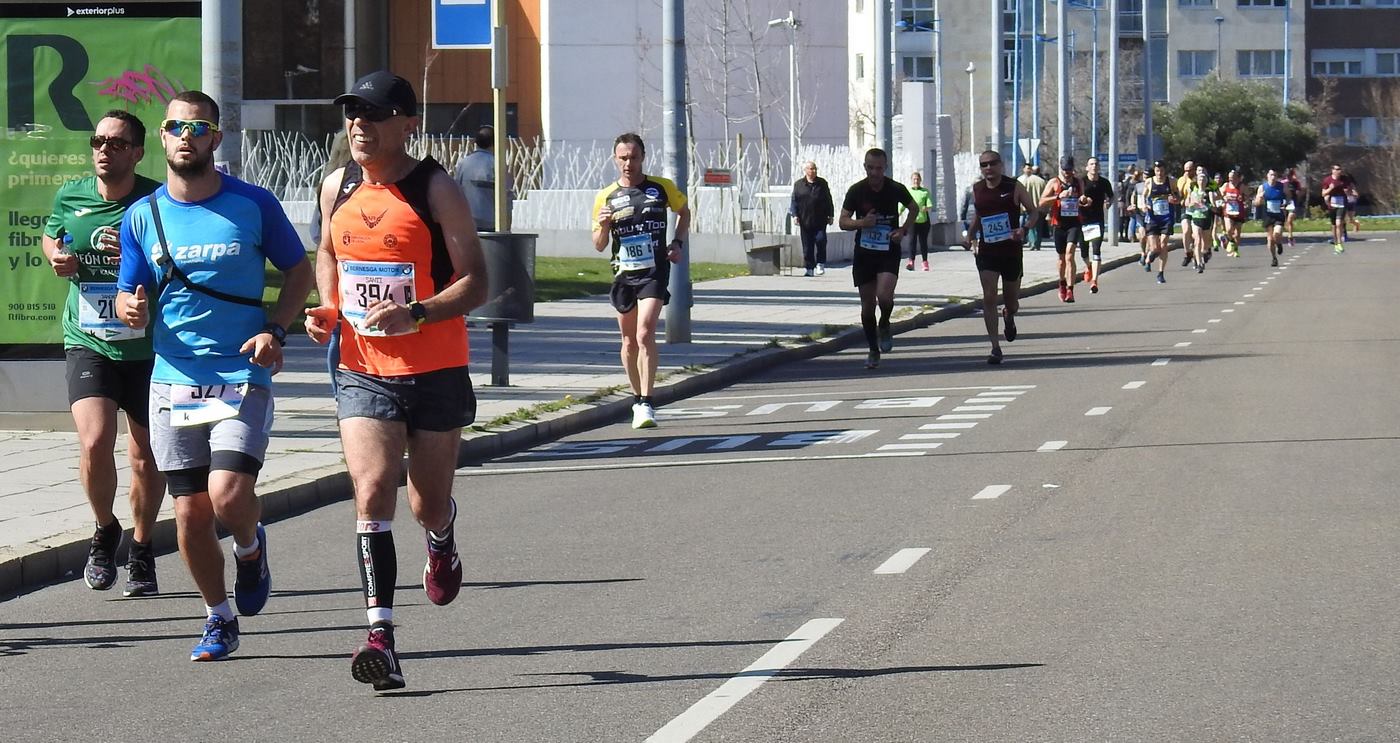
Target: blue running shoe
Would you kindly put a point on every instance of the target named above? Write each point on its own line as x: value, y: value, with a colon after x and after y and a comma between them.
x: 219, y: 640
x: 253, y: 581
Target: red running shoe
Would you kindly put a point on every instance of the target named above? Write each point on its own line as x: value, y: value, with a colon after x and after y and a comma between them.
x: 375, y: 662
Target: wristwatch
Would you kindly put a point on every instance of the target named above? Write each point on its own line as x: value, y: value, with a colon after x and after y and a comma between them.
x: 277, y: 332
x: 418, y: 312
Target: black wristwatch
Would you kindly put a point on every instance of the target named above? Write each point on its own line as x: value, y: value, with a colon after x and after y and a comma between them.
x: 418, y: 312
x: 277, y: 332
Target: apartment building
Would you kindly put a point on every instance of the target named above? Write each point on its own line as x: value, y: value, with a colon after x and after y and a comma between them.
x: 1353, y: 76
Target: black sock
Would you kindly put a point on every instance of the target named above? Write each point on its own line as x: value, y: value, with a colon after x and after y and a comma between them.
x: 867, y: 323
x: 379, y: 568
x: 142, y: 549
x: 636, y: 399
x: 644, y: 399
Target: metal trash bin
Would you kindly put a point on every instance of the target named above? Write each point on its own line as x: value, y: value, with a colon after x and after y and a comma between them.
x: 510, y: 293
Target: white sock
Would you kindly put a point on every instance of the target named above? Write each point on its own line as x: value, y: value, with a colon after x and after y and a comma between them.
x: 378, y: 614
x: 447, y: 530
x: 222, y: 611
x: 241, y: 552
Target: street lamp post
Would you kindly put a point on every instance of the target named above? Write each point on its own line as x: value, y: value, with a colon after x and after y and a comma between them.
x: 792, y: 24
x: 937, y: 61
x: 1219, y: 21
x: 971, y: 110
x: 1287, y: 48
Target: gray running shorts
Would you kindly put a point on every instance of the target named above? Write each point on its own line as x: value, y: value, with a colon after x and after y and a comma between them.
x: 237, y: 444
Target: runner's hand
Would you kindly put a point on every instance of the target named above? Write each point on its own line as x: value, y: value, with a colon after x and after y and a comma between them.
x: 673, y: 252
x: 134, y: 312
x: 389, y: 316
x: 108, y: 240
x: 896, y: 236
x: 605, y: 217
x: 64, y: 264
x: 320, y: 321
x: 1019, y: 234
x: 267, y: 352
x: 868, y: 220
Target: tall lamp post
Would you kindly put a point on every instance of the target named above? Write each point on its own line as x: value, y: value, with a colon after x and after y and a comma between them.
x: 1219, y: 21
x: 971, y: 111
x: 1287, y: 48
x: 792, y: 25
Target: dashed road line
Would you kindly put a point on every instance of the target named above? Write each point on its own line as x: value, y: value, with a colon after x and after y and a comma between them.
x: 690, y: 722
x: 1183, y: 344
x: 964, y: 416
x: 1161, y: 362
x: 926, y: 446
x: 943, y: 426
x: 902, y: 560
x: 991, y: 491
x: 1134, y: 385
x: 1052, y: 446
x: 1102, y: 410
x: 978, y: 408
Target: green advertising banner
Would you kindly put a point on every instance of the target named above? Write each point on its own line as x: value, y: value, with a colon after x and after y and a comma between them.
x: 63, y: 66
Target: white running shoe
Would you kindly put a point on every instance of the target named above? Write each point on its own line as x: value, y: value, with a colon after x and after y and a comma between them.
x: 820, y: 269
x: 643, y: 416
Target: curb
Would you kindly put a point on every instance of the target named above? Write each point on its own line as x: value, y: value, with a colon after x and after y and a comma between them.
x: 63, y: 556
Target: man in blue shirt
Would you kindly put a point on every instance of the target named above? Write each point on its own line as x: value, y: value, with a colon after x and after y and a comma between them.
x: 192, y: 269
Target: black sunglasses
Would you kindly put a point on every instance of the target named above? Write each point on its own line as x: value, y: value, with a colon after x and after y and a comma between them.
x: 369, y: 112
x: 988, y: 163
x: 116, y: 143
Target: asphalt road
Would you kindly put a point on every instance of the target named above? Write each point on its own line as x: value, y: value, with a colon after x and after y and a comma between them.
x: 1170, y: 515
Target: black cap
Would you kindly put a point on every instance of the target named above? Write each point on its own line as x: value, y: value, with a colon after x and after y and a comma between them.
x: 1067, y: 162
x: 1159, y: 164
x: 383, y: 89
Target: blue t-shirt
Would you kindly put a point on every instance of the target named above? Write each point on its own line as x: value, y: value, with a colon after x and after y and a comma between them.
x: 221, y: 243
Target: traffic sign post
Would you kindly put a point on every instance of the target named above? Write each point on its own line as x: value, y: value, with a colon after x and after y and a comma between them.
x: 462, y: 24
x: 1029, y: 146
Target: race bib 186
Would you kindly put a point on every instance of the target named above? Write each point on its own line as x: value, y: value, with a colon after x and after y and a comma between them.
x: 366, y: 283
x: 97, y: 313
x: 636, y: 253
x: 996, y: 228
x: 1092, y: 232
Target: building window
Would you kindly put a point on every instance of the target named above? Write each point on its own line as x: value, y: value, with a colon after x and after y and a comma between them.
x: 1196, y: 3
x: 1261, y: 3
x: 860, y: 66
x: 1260, y: 62
x: 1008, y: 61
x: 916, y: 15
x: 1388, y: 62
x: 1191, y: 63
x: 917, y: 68
x: 1351, y: 130
x: 1338, y: 3
x: 1388, y: 3
x: 1337, y: 62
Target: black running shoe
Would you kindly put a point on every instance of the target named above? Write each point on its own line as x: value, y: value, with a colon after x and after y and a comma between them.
x: 140, y: 573
x: 886, y: 340
x: 1274, y: 263
x: 375, y: 662
x: 101, y: 569
x: 1010, y: 328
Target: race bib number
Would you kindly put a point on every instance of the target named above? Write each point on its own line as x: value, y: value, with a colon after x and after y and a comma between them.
x: 1069, y: 206
x: 1161, y: 207
x: 1092, y: 232
x: 636, y: 253
x: 1274, y: 205
x: 996, y: 228
x: 97, y: 313
x: 365, y: 283
x: 876, y: 238
x: 197, y: 405
x: 1337, y: 202
x: 1232, y: 208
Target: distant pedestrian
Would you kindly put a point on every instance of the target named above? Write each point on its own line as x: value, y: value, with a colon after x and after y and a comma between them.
x: 476, y: 174
x: 1035, y: 186
x: 919, y: 242
x: 813, y: 210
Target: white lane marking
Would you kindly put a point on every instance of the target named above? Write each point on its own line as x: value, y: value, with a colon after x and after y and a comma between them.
x: 1004, y: 391
x: 996, y: 389
x: 690, y: 722
x: 1248, y: 296
x: 1214, y: 320
x: 1238, y: 303
x: 1227, y: 311
x: 965, y: 417
x: 1098, y: 411
x: 1133, y: 385
x: 1265, y: 282
x: 1161, y: 362
x: 977, y: 408
x: 646, y: 462
x: 1199, y: 330
x: 928, y: 436
x: 902, y: 560
x: 991, y: 491
x: 1182, y: 344
x: 970, y: 399
x: 1052, y: 446
x: 1285, y: 268
x: 911, y: 447
x: 946, y: 426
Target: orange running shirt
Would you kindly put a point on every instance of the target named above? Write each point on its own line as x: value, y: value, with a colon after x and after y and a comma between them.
x: 385, y: 224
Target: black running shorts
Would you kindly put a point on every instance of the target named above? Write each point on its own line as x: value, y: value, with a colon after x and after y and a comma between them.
x: 128, y: 383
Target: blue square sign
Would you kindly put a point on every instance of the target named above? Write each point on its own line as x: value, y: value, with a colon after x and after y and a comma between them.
x: 462, y: 24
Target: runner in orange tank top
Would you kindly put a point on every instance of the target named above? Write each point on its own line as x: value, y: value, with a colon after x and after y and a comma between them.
x: 397, y: 269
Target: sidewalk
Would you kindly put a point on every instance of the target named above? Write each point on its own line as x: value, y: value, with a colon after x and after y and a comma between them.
x: 570, y: 350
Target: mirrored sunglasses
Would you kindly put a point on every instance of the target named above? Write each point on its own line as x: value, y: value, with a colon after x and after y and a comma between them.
x: 196, y: 127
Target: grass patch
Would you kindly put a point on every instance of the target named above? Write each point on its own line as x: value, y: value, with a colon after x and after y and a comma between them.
x: 575, y: 278
x: 533, y: 412
x: 1255, y: 227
